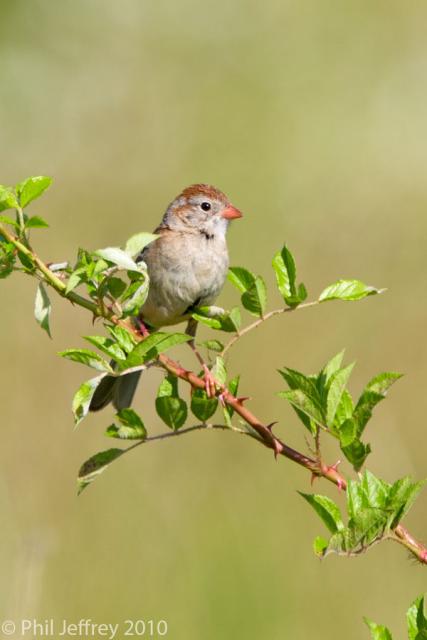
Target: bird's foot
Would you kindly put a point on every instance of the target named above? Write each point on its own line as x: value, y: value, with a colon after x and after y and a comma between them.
x: 210, y: 382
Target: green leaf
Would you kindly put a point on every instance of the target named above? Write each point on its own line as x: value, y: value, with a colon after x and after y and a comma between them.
x: 131, y: 426
x: 6, y: 219
x: 378, y: 632
x: 136, y: 243
x: 416, y: 620
x: 401, y: 497
x: 108, y: 346
x: 348, y: 290
x: 233, y: 386
x: 139, y: 293
x: 375, y: 391
x: 125, y: 338
x: 42, y: 308
x: 326, y: 509
x: 87, y: 357
x: 96, y: 465
x: 332, y: 366
x: 229, y: 321
x: 255, y: 298
x: 169, y: 406
x: 337, y: 384
x: 32, y: 188
x: 344, y: 410
x: 241, y: 278
x: 320, y: 546
x: 347, y: 433
x: 383, y: 381
x: 7, y: 200
x: 152, y: 346
x: 118, y: 257
x: 116, y: 287
x: 202, y: 406
x: 75, y: 279
x: 213, y: 345
x: 36, y: 222
x: 83, y: 397
x: 285, y: 269
x: 300, y: 401
x: 219, y: 371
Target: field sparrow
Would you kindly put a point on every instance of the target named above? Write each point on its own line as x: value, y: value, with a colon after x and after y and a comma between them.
x: 187, y: 265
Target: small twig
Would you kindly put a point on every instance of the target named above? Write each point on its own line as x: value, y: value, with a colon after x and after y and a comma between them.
x: 260, y: 321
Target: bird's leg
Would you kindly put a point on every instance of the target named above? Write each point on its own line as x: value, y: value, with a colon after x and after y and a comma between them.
x: 141, y: 327
x: 210, y: 382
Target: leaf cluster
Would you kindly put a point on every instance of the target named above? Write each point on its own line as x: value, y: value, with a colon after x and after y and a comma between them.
x: 322, y: 401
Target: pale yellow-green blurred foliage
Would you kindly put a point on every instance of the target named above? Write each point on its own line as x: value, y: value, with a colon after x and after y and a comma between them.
x: 312, y: 117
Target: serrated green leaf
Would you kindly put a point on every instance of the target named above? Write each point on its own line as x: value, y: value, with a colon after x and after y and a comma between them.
x: 152, y: 346
x: 383, y: 381
x: 108, y: 346
x: 378, y: 632
x: 118, y: 257
x: 42, y: 308
x: 32, y: 188
x: 300, y: 401
x: 82, y: 398
x: 202, y: 406
x: 348, y: 290
x: 344, y: 410
x: 356, y: 453
x: 96, y: 465
x: 337, y: 384
x: 124, y: 338
x: 326, y: 509
x: 36, y: 222
x: 241, y: 278
x: 88, y: 358
x: 136, y: 243
x: 131, y: 426
x: 347, y: 433
x: 285, y: 269
x: 233, y: 387
x: 375, y: 489
x: 332, y: 366
x: 401, y: 497
x: 255, y: 298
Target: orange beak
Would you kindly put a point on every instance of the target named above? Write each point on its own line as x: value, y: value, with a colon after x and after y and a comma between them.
x: 231, y: 213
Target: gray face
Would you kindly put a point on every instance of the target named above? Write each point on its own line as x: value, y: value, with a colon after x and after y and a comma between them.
x: 200, y: 212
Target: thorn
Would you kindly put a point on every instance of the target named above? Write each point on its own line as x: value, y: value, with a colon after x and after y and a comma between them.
x: 314, y: 476
x: 243, y: 399
x: 277, y: 447
x: 271, y: 425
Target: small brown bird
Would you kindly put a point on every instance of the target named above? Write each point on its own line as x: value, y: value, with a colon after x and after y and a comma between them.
x: 187, y: 265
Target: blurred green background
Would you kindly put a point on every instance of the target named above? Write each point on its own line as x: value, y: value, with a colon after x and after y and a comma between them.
x: 312, y: 118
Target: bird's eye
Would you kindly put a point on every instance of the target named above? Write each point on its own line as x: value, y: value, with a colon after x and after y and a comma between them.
x: 206, y: 206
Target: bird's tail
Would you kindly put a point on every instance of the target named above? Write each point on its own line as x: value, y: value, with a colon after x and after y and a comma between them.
x: 118, y: 390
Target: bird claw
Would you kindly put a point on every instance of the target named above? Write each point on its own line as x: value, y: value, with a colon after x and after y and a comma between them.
x: 210, y: 382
